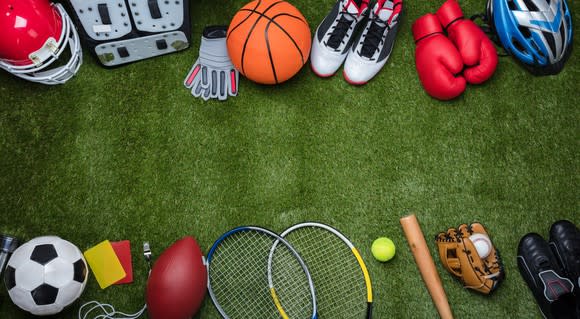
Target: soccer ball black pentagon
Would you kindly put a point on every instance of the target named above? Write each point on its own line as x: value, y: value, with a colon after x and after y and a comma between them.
x: 45, y: 275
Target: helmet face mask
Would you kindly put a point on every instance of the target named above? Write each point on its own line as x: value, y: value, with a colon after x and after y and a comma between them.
x: 538, y: 33
x: 36, y: 34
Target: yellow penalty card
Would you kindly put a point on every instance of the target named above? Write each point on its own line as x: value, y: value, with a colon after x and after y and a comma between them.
x: 105, y: 264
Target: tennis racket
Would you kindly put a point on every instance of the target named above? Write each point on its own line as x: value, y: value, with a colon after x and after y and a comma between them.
x: 246, y: 280
x: 343, y: 285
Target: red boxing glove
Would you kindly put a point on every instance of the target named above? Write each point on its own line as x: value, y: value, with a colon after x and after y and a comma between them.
x: 476, y: 49
x: 437, y: 60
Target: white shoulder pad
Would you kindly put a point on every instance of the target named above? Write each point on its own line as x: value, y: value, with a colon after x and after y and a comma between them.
x: 103, y: 20
x: 130, y: 50
x: 157, y: 15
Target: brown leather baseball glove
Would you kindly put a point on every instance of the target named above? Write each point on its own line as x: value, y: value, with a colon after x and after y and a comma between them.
x: 468, y: 254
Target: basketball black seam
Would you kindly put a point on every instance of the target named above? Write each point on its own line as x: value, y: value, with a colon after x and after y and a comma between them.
x: 252, y: 30
x: 279, y: 14
x: 272, y: 20
x: 245, y: 19
x: 270, y: 52
x: 285, y: 32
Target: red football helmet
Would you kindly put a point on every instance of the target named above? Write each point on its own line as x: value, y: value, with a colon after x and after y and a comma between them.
x: 34, y: 35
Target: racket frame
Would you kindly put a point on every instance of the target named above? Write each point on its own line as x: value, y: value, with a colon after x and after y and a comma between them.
x: 350, y: 245
x: 273, y: 293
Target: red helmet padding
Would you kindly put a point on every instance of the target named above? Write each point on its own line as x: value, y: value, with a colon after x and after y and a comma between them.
x: 178, y: 281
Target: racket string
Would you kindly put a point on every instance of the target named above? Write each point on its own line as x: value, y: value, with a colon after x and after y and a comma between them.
x: 337, y: 276
x: 289, y: 286
x: 239, y: 278
x: 239, y: 274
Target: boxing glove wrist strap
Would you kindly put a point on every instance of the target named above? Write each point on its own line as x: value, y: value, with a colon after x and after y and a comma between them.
x: 449, y: 13
x: 425, y: 26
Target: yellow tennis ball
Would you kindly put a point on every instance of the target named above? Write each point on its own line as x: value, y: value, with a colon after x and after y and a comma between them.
x: 383, y: 249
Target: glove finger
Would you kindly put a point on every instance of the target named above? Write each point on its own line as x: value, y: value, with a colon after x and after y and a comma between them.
x: 206, y: 94
x: 204, y: 76
x: 446, y: 236
x: 213, y: 83
x: 197, y: 88
x: 192, y: 75
x: 197, y: 81
x: 441, y: 237
x: 478, y: 228
x: 487, y: 64
x: 234, y: 78
x: 223, y: 85
x: 452, y: 233
x: 464, y: 231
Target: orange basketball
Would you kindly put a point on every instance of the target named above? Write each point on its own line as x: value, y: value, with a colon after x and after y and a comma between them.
x: 269, y: 41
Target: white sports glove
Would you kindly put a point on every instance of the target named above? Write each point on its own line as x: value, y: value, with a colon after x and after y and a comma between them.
x: 213, y: 74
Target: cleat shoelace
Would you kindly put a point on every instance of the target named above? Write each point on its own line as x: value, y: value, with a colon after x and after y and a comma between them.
x: 340, y: 30
x: 374, y: 38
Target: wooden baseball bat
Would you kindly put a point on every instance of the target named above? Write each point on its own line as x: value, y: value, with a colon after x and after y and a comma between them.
x: 426, y: 266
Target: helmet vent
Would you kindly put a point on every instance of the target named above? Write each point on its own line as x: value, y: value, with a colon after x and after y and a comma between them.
x: 537, y: 49
x: 525, y: 32
x: 531, y: 5
x: 551, y: 41
x: 518, y: 46
x: 512, y: 5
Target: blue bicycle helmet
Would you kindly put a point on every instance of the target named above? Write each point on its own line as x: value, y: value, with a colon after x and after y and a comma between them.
x: 538, y: 33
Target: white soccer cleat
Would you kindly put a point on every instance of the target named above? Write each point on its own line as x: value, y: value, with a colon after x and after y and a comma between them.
x: 374, y: 45
x: 334, y: 36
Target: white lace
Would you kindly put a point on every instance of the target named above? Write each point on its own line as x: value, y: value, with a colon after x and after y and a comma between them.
x: 97, y: 310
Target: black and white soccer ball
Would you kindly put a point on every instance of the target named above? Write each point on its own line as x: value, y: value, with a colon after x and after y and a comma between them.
x: 45, y: 275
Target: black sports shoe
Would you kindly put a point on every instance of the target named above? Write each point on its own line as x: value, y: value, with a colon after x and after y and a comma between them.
x: 543, y: 274
x: 565, y: 243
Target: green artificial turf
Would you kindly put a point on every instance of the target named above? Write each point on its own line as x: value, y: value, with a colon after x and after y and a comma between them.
x: 128, y: 153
